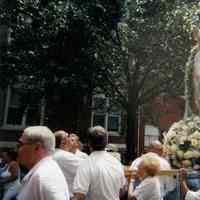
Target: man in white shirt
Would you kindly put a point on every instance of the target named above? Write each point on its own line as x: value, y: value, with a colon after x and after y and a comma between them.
x: 189, y: 195
x: 67, y: 161
x: 100, y: 176
x: 167, y: 184
x: 45, y: 180
x: 75, y: 145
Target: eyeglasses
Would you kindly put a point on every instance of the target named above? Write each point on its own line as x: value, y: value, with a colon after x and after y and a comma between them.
x: 20, y: 144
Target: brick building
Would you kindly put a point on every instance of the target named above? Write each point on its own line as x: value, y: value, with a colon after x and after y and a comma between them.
x: 167, y: 110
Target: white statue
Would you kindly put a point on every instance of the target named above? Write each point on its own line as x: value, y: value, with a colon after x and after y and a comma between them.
x: 196, y: 71
x: 192, y: 78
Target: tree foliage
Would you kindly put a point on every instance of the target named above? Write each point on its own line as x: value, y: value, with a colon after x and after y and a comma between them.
x: 155, y: 40
x: 82, y: 45
x: 54, y: 47
x: 55, y: 41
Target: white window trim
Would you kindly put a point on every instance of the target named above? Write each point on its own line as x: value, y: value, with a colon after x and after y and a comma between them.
x: 7, y: 126
x: 107, y: 114
x: 119, y: 122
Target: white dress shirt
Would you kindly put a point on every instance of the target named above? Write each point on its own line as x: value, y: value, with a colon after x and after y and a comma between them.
x: 81, y: 154
x: 100, y: 177
x: 193, y: 195
x: 148, y: 189
x: 68, y: 162
x: 45, y: 181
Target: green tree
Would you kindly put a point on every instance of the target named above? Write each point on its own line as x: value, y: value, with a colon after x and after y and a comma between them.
x: 54, y: 44
x: 80, y: 46
x: 150, y: 60
x: 57, y: 39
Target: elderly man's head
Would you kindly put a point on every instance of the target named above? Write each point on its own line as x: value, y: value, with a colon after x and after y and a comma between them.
x: 149, y: 166
x: 35, y: 143
x: 156, y: 147
x: 62, y: 139
x: 97, y: 138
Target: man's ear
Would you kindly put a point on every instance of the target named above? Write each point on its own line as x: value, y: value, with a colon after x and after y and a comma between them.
x: 37, y: 146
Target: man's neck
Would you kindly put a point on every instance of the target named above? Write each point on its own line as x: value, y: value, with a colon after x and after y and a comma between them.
x: 38, y: 158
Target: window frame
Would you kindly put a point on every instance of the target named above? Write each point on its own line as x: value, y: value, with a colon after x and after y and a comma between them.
x: 7, y: 126
x: 106, y: 113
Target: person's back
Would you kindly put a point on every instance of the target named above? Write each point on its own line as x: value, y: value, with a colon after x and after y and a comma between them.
x: 68, y: 162
x: 105, y: 176
x: 100, y: 176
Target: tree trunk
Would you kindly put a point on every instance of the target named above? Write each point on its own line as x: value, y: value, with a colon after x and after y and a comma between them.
x: 131, y: 137
x: 86, y: 116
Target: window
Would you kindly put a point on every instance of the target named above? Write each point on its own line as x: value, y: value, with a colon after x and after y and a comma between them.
x: 151, y: 134
x: 18, y: 113
x: 14, y: 113
x: 104, y: 116
x: 99, y: 119
x: 113, y: 122
x: 149, y: 139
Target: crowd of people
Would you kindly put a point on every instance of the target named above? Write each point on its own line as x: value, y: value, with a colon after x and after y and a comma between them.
x: 57, y: 169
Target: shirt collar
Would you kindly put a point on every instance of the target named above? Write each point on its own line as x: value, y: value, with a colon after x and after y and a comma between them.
x: 35, y: 167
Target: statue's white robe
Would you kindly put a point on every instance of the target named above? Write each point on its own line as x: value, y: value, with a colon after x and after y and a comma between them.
x: 196, y: 80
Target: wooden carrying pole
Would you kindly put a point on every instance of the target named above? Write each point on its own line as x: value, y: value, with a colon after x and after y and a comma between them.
x: 129, y: 174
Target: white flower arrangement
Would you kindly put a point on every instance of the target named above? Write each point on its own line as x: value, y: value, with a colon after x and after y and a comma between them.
x: 183, y: 143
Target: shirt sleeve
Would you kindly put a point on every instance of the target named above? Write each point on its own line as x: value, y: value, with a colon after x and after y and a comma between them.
x: 82, y: 179
x: 192, y: 195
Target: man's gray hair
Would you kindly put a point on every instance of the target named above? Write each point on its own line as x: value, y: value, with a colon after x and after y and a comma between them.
x: 97, y: 138
x: 41, y: 134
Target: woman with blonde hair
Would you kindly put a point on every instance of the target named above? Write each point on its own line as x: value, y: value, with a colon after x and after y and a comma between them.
x: 149, y: 188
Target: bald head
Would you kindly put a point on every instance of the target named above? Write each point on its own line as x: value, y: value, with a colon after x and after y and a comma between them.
x: 156, y: 147
x: 61, y: 138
